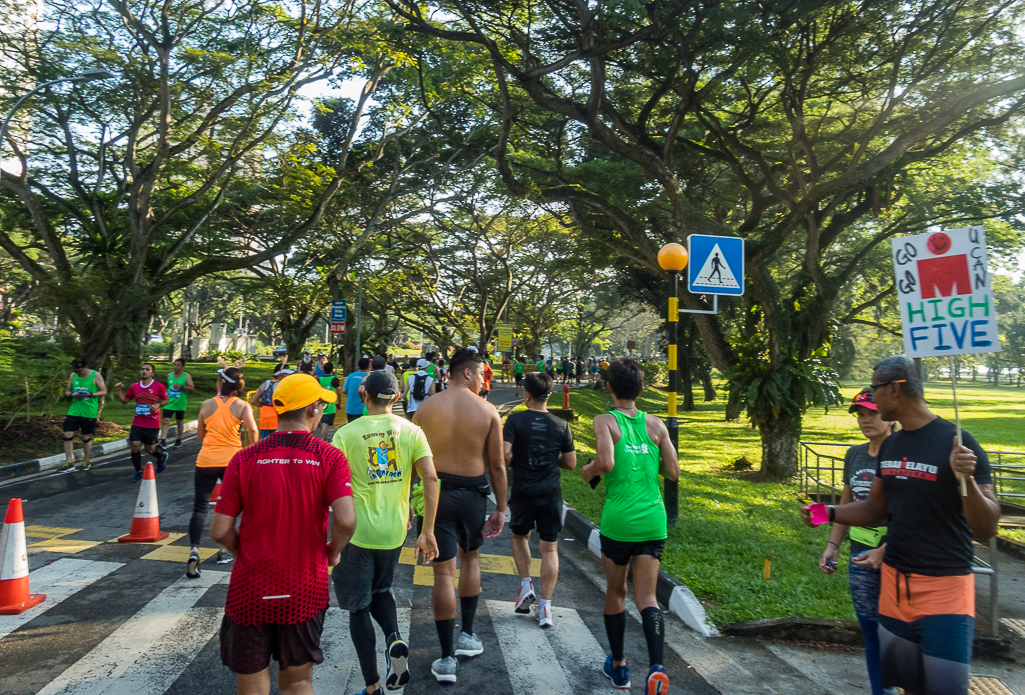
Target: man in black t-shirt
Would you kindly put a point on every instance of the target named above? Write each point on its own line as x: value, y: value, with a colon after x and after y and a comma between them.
x: 537, y: 446
x: 927, y: 598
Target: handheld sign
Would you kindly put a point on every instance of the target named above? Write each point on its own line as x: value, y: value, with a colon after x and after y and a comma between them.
x: 946, y: 300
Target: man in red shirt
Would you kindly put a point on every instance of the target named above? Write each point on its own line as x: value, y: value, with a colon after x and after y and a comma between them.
x: 148, y: 394
x: 283, y: 487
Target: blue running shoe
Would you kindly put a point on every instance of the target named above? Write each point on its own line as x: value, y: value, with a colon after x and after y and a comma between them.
x: 658, y: 681
x: 138, y: 477
x: 619, y: 675
x: 162, y: 457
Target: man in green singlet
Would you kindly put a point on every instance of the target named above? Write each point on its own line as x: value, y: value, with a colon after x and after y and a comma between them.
x: 632, y: 449
x: 328, y: 381
x: 179, y: 385
x: 85, y: 388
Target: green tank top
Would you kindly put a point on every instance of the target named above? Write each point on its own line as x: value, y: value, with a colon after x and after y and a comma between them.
x: 84, y: 407
x: 634, y: 510
x: 325, y: 382
x: 177, y: 397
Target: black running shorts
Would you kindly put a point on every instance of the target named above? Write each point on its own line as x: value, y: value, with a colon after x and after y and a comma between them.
x: 547, y: 519
x: 86, y: 425
x: 176, y: 414
x: 248, y: 649
x: 363, y: 572
x: 460, y: 522
x: 146, y: 435
x: 620, y: 552
x: 328, y: 419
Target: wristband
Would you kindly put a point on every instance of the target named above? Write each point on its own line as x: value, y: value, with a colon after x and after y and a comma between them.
x: 835, y: 545
x: 832, y: 512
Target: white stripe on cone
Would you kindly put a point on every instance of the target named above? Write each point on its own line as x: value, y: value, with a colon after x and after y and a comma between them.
x: 146, y: 505
x: 13, y: 551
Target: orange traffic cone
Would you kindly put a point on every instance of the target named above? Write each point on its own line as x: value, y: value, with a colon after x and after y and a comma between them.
x: 215, y: 494
x: 146, y: 521
x: 14, y: 595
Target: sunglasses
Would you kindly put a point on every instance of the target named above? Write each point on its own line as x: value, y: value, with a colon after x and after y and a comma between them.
x: 884, y: 383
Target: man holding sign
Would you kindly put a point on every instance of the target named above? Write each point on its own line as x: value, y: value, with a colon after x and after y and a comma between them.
x: 927, y: 599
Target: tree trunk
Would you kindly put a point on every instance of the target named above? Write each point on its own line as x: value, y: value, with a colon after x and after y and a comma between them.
x: 781, y: 438
x: 708, y: 386
x: 734, y: 405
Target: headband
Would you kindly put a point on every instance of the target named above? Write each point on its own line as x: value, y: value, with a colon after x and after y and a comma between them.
x: 225, y: 376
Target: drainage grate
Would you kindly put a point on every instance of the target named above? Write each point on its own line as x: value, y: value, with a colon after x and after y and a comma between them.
x: 987, y: 686
x: 1016, y: 624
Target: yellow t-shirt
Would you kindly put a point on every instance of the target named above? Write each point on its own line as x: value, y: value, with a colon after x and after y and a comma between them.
x: 381, y: 450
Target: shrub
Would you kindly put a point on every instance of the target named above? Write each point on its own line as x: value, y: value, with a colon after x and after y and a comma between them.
x: 655, y: 373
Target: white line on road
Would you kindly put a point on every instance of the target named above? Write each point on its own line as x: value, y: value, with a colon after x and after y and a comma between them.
x: 58, y: 581
x: 150, y: 649
x: 530, y: 659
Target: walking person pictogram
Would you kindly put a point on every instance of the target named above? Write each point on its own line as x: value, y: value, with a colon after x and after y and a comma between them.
x: 716, y: 268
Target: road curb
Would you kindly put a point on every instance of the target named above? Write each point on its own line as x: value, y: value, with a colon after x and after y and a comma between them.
x: 670, y: 591
x: 34, y: 466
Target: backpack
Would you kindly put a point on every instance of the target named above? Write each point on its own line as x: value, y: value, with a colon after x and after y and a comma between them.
x: 267, y: 397
x: 419, y: 387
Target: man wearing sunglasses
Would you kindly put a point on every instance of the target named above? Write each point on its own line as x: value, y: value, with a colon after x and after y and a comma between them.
x: 927, y: 598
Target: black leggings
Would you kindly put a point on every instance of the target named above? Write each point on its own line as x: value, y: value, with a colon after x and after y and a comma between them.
x: 205, y: 480
x: 384, y: 611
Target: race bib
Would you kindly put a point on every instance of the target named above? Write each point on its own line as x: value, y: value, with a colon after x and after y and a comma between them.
x: 142, y: 410
x: 82, y: 389
x: 174, y: 393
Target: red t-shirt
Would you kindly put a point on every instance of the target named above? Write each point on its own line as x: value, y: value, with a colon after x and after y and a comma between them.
x: 147, y: 395
x: 282, y: 486
x: 488, y: 376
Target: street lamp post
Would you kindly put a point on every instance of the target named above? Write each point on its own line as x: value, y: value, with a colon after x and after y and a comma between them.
x: 90, y: 75
x: 673, y: 258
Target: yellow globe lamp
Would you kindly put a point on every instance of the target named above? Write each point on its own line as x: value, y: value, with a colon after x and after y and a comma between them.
x: 672, y: 257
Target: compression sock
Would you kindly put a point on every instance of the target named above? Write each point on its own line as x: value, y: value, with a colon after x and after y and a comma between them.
x: 365, y: 640
x: 137, y: 461
x: 468, y: 609
x: 654, y: 633
x: 382, y: 607
x: 615, y: 628
x: 445, y: 629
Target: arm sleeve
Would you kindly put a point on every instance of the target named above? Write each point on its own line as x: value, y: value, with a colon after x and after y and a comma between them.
x: 982, y: 473
x: 339, y: 478
x: 230, y: 503
x: 509, y: 430
x: 421, y: 447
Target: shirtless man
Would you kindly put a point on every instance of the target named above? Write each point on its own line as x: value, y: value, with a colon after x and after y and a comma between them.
x: 465, y: 434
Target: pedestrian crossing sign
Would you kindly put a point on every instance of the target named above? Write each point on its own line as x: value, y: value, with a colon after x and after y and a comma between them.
x: 716, y: 265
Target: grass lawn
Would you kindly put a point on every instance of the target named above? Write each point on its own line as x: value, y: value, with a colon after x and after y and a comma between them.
x: 728, y: 526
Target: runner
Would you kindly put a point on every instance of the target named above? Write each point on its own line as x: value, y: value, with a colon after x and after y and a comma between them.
x: 391, y: 364
x: 519, y: 377
x: 506, y: 368
x: 418, y: 388
x: 318, y: 371
x: 384, y: 451
x: 285, y: 487
x: 179, y: 385
x: 442, y: 382
x: 867, y: 544
x: 218, y: 429
x: 540, y: 366
x: 264, y: 398
x: 927, y: 596
x: 305, y: 365
x: 148, y: 394
x: 537, y: 446
x: 489, y: 375
x: 328, y: 380
x: 632, y: 449
x: 460, y: 461
x: 85, y: 387
x: 353, y: 392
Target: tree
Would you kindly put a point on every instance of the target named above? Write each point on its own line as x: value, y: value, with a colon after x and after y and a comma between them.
x: 795, y: 127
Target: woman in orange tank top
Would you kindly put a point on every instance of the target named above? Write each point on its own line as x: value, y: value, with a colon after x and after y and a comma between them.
x: 220, y: 419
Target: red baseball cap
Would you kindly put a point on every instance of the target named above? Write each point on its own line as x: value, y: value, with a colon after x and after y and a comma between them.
x: 864, y: 400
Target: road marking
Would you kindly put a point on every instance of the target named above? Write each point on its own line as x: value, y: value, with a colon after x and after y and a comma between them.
x: 495, y: 564
x: 58, y: 581
x: 530, y: 660
x: 178, y: 553
x: 49, y: 531
x: 573, y: 641
x: 149, y: 650
x: 340, y: 671
x: 62, y: 545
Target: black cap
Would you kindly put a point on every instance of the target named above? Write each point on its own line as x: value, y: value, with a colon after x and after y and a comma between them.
x: 380, y: 383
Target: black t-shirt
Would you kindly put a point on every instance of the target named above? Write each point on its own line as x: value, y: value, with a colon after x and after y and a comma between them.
x: 859, y: 470
x: 537, y: 441
x: 927, y: 532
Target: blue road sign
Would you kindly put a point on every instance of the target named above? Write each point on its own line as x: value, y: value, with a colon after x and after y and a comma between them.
x: 338, y: 311
x: 716, y: 265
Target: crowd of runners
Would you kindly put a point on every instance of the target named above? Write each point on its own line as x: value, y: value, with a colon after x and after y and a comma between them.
x: 287, y: 472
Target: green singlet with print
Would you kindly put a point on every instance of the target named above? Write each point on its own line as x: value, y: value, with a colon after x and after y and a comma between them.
x: 178, y: 400
x: 325, y: 382
x: 519, y: 366
x: 84, y: 407
x: 634, y: 510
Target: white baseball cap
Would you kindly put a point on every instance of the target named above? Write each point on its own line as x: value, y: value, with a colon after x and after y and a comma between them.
x: 422, y: 363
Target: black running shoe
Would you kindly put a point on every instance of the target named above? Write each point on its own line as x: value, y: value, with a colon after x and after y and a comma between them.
x: 177, y: 444
x: 396, y: 657
x: 192, y: 566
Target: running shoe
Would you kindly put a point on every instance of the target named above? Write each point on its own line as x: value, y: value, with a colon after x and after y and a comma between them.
x: 86, y: 465
x: 469, y: 645
x: 224, y: 557
x: 162, y: 443
x: 658, y: 681
x: 619, y: 675
x: 177, y: 444
x: 162, y: 457
x: 66, y: 468
x: 396, y: 657
x: 525, y: 599
x: 545, y: 617
x: 138, y: 477
x: 192, y: 566
x: 444, y: 670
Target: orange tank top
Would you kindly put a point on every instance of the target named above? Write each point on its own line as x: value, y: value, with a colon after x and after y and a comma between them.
x: 222, y: 438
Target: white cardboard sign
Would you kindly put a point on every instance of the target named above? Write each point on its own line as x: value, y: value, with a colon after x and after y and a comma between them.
x: 945, y: 295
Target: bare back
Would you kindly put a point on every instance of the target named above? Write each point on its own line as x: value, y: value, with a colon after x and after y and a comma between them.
x: 461, y: 427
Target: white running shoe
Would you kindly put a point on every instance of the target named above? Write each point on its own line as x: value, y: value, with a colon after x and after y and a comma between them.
x: 469, y: 645
x: 525, y: 599
x: 545, y: 616
x: 444, y: 670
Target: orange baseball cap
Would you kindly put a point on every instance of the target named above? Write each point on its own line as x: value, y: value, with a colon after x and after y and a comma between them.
x: 298, y: 391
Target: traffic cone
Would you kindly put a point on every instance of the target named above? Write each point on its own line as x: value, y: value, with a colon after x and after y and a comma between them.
x: 215, y: 494
x: 146, y: 521
x: 14, y: 595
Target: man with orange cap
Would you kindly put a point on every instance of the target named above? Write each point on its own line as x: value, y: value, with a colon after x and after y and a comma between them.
x: 283, y: 487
